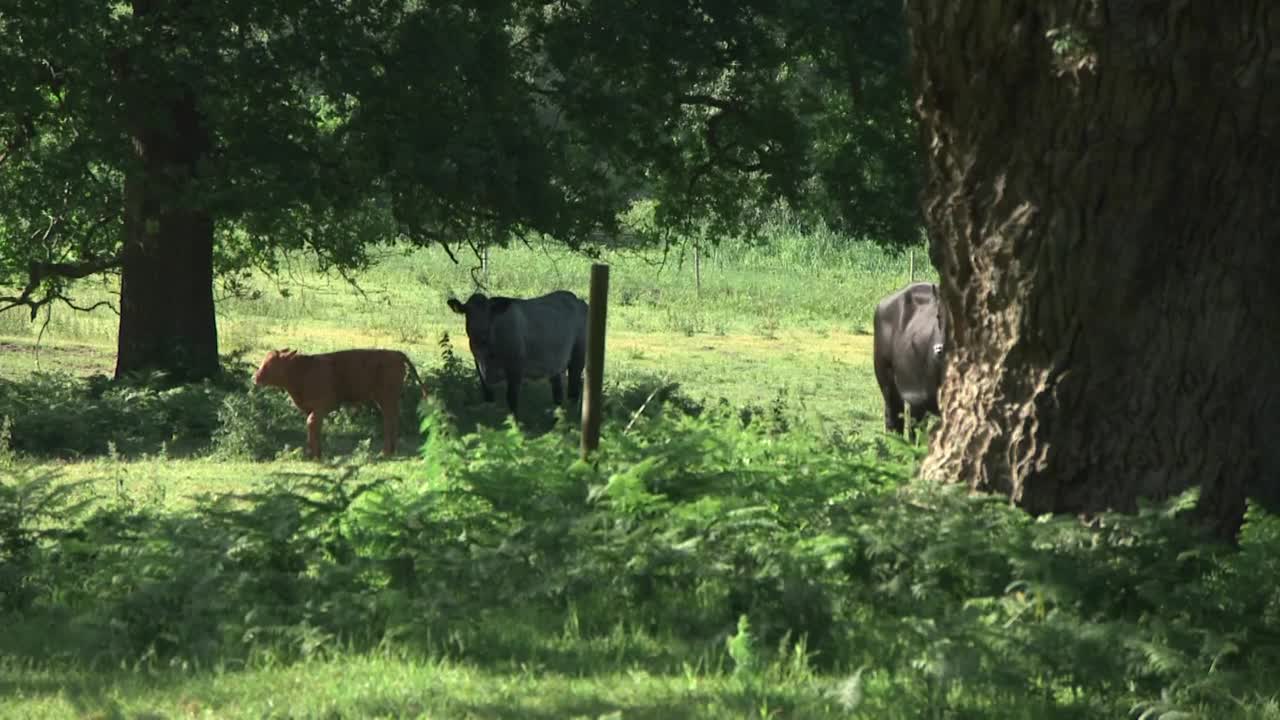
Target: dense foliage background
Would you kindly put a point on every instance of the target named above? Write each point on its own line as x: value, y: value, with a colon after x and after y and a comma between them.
x: 338, y: 127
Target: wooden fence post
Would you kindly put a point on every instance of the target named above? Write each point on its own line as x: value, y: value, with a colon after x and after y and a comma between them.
x: 911, y: 255
x: 697, y: 270
x: 593, y: 393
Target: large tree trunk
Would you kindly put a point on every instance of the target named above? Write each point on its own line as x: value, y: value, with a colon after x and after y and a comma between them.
x: 167, y: 317
x: 1103, y: 183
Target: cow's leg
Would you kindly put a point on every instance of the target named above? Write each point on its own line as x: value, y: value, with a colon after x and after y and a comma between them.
x: 314, y: 421
x: 893, y: 410
x: 557, y: 388
x: 892, y: 400
x: 577, y: 361
x: 513, y: 391
x: 486, y: 392
x: 390, y: 406
x: 917, y: 416
x: 575, y: 386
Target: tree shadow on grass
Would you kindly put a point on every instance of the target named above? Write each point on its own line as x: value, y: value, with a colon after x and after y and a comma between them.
x: 106, y: 580
x: 589, y: 695
x: 58, y: 416
x: 572, y: 705
x: 455, y: 384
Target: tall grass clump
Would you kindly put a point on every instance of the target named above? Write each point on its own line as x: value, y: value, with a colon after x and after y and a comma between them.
x: 60, y: 415
x: 789, y: 245
x: 34, y: 510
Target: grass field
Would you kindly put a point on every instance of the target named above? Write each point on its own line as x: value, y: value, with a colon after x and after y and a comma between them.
x: 783, y: 325
x: 749, y: 546
x: 763, y: 321
x: 376, y: 687
x: 788, y: 323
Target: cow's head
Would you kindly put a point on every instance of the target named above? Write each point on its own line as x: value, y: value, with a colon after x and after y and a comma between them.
x: 480, y: 312
x: 938, y: 342
x: 939, y: 345
x: 274, y: 367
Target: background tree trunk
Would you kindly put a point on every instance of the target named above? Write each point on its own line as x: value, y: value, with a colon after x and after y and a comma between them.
x: 167, y: 319
x: 1103, y: 181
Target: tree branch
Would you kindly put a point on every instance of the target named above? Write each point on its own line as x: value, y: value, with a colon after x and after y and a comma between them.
x: 718, y: 150
x: 88, y: 308
x: 351, y: 280
x: 725, y: 108
x: 447, y: 250
x: 476, y: 268
x: 710, y: 101
x: 38, y: 272
x: 422, y: 237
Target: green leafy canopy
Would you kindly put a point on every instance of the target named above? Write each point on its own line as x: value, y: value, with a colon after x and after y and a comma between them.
x: 336, y: 126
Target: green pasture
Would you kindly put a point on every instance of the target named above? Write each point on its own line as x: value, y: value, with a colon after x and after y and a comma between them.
x: 746, y: 544
x: 787, y: 324
x: 382, y: 686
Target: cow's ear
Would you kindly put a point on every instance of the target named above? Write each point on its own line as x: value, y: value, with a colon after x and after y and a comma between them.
x: 457, y: 306
x: 497, y: 306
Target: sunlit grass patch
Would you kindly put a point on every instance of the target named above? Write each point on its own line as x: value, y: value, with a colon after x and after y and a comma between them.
x: 389, y: 686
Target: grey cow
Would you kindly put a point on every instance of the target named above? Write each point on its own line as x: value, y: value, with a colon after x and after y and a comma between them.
x: 514, y: 339
x: 910, y: 328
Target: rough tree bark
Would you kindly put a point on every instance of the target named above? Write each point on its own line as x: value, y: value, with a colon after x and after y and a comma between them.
x: 167, y: 319
x: 1103, y: 182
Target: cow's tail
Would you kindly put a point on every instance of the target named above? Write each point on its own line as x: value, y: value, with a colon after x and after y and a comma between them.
x: 414, y: 372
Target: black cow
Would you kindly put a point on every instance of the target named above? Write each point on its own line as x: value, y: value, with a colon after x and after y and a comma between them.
x: 517, y: 339
x: 910, y: 328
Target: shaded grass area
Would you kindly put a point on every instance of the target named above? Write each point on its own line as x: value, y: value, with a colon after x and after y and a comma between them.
x: 361, y: 686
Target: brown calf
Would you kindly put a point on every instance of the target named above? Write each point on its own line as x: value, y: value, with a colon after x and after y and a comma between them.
x: 320, y: 383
